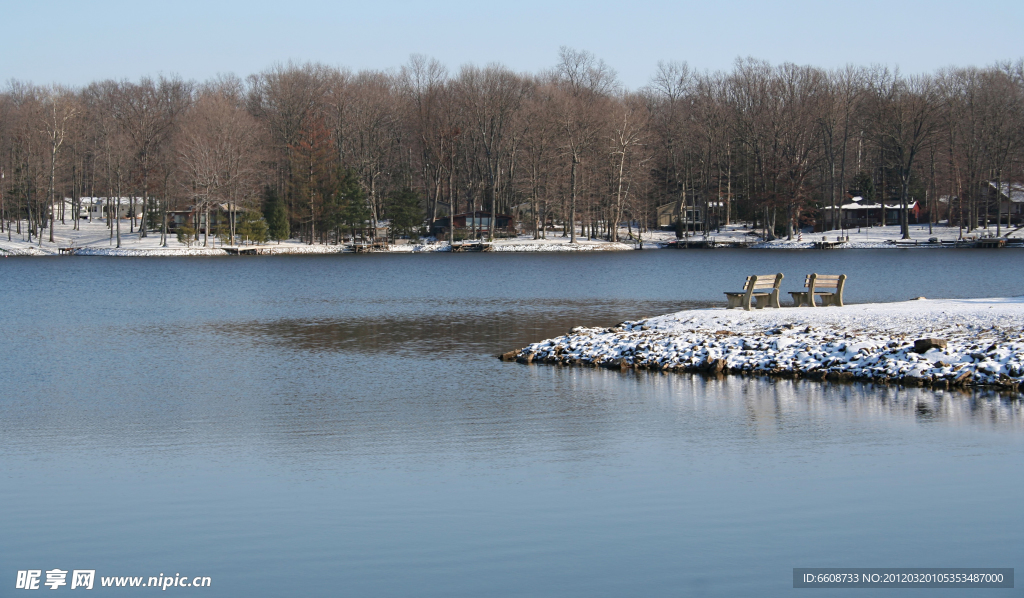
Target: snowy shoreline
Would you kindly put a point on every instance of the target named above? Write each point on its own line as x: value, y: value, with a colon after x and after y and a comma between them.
x: 865, y: 342
x: 94, y: 239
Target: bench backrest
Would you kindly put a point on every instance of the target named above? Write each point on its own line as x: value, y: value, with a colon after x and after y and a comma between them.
x: 830, y: 281
x: 763, y: 281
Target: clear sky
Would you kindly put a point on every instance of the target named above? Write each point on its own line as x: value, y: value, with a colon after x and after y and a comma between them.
x: 75, y: 42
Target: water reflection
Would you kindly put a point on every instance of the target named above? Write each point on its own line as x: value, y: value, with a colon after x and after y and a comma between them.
x: 465, y: 327
x: 769, y: 404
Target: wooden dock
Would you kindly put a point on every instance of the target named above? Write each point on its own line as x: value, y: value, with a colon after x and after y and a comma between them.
x: 367, y: 247
x: 247, y: 250
x: 710, y: 243
x: 990, y: 243
x: 474, y: 246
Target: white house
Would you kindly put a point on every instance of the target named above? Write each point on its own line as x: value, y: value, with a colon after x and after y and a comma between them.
x: 96, y: 207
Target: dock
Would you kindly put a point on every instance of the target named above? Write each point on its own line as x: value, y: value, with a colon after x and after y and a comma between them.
x: 247, y: 250
x: 472, y: 246
x: 367, y: 247
x: 709, y: 243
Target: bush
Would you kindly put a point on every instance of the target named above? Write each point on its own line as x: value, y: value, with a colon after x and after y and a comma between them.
x: 253, y: 228
x: 186, y: 235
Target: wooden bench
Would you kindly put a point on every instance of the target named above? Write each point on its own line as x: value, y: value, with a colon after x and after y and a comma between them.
x: 814, y: 282
x: 762, y: 288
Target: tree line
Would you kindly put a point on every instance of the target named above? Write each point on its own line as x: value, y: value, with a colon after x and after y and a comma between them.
x: 320, y: 150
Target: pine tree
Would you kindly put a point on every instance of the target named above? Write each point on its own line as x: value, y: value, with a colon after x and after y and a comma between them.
x: 275, y: 215
x: 351, y: 199
x: 253, y: 228
x: 403, y: 210
x: 863, y: 186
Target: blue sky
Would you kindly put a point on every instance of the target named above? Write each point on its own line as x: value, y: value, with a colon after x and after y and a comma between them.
x: 78, y: 42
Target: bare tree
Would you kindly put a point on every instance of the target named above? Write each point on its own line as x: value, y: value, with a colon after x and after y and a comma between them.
x: 219, y: 153
x: 584, y: 83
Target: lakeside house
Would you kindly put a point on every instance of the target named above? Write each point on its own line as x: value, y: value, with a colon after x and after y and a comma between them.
x: 692, y: 217
x: 221, y: 214
x: 1010, y: 199
x: 858, y: 213
x: 96, y: 208
x: 479, y: 220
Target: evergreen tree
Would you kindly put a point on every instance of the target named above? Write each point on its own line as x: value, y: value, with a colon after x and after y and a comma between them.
x: 863, y: 186
x: 351, y: 200
x: 275, y: 215
x: 253, y: 228
x: 185, y: 234
x: 403, y: 209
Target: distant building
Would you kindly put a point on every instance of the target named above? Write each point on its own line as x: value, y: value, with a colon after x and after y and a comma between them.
x: 692, y: 217
x: 1010, y: 198
x: 96, y: 208
x: 859, y: 213
x: 504, y: 224
x: 220, y: 215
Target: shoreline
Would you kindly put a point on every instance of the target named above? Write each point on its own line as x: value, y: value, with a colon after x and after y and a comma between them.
x: 93, y: 239
x: 293, y: 248
x: 982, y: 343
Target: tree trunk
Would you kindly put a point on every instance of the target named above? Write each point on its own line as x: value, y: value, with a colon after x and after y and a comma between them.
x: 572, y: 201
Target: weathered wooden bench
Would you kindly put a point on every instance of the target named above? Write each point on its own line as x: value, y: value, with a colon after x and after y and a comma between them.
x: 763, y: 289
x: 814, y: 283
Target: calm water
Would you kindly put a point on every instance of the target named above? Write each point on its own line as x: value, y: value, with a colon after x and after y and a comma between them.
x: 338, y: 426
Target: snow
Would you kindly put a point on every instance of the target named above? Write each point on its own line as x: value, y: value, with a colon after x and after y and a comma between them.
x: 862, y: 342
x: 94, y: 239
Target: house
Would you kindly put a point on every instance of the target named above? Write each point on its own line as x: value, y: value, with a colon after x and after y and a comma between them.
x: 478, y: 220
x: 859, y: 213
x: 693, y: 217
x: 95, y: 208
x: 1011, y: 199
x: 220, y: 215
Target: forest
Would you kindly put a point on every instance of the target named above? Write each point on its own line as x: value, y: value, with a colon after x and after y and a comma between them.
x: 319, y: 149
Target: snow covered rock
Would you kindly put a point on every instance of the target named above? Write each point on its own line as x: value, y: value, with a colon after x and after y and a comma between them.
x: 977, y: 342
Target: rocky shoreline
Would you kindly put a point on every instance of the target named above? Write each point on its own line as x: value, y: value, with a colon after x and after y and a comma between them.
x: 939, y: 344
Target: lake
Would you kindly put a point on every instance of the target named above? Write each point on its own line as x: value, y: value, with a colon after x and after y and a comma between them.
x: 339, y: 426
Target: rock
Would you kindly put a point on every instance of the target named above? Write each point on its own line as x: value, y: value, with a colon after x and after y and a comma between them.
x: 839, y: 376
x: 510, y: 356
x: 914, y: 381
x: 923, y: 345
x: 715, y: 366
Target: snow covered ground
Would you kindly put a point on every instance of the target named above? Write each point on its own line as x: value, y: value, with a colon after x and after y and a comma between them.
x: 985, y: 343
x: 94, y: 239
x: 877, y: 237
